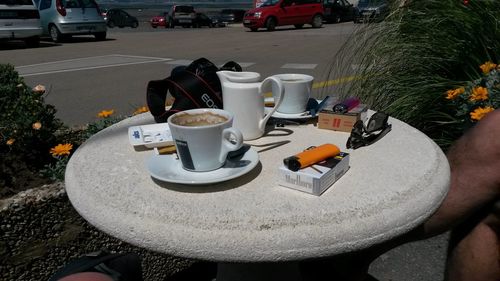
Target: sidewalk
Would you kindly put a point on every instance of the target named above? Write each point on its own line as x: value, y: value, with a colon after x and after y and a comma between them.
x: 418, y: 261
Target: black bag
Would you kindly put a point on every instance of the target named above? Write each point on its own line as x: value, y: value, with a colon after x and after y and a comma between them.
x: 194, y: 86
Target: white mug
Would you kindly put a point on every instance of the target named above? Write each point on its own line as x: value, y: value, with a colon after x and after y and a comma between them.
x: 246, y: 101
x: 298, y: 89
x: 203, y: 137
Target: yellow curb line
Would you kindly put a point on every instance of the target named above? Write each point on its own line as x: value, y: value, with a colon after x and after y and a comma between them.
x: 323, y: 84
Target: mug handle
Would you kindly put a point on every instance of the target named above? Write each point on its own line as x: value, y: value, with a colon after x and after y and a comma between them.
x: 228, y: 146
x: 281, y: 92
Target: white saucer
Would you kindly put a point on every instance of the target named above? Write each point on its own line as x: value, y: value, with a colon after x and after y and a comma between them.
x: 169, y: 169
x: 276, y: 114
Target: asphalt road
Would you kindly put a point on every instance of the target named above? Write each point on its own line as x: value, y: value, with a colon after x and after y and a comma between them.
x: 84, y: 77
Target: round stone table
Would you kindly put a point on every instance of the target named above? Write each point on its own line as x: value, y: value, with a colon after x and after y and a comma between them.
x: 391, y: 187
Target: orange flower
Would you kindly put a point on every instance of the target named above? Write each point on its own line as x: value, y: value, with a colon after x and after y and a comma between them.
x: 141, y: 109
x: 452, y: 94
x: 480, y: 112
x: 39, y: 89
x: 105, y: 113
x: 10, y: 141
x: 487, y: 67
x: 36, y: 126
x: 61, y: 149
x: 479, y: 94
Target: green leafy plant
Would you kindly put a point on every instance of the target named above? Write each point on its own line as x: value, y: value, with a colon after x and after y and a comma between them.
x: 28, y: 129
x: 73, y: 138
x: 35, y: 146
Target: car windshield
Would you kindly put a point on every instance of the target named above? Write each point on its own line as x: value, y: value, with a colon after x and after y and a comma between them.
x: 16, y: 2
x: 184, y: 9
x: 370, y: 2
x: 269, y: 3
x: 79, y: 3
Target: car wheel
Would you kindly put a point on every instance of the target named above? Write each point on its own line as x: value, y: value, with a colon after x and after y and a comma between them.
x: 254, y: 29
x: 171, y: 23
x: 32, y: 42
x: 153, y: 26
x: 299, y: 26
x: 135, y: 24
x: 111, y: 24
x: 100, y: 36
x: 270, y: 24
x: 317, y: 21
x: 55, y: 34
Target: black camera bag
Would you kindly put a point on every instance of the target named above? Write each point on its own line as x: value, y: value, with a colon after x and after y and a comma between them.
x: 194, y: 86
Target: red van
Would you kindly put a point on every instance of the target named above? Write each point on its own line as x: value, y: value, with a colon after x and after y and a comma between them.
x: 274, y: 13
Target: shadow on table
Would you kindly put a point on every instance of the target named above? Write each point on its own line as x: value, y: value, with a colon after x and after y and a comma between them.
x: 213, y: 187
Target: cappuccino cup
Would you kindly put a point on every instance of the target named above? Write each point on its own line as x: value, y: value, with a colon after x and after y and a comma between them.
x: 203, y: 137
x: 298, y: 89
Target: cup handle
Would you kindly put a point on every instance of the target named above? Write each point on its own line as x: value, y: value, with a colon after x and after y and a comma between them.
x: 281, y: 92
x: 228, y: 146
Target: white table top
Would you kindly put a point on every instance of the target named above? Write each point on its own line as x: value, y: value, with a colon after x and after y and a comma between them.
x: 391, y: 187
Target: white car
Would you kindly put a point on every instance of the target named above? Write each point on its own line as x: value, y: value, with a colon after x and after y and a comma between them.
x: 62, y: 19
x: 20, y: 20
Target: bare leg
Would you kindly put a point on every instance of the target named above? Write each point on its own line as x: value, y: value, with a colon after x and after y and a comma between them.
x: 474, y: 248
x: 475, y: 175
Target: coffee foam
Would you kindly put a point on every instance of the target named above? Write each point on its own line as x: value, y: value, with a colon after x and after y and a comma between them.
x: 199, y: 119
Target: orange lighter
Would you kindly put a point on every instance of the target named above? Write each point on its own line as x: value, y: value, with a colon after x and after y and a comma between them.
x: 311, y: 156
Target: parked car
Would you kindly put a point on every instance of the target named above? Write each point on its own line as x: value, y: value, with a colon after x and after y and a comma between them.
x: 274, y: 13
x: 20, y: 19
x: 120, y: 18
x: 202, y: 19
x: 371, y: 10
x: 181, y: 15
x: 62, y: 19
x: 159, y: 20
x: 338, y: 11
x: 232, y: 15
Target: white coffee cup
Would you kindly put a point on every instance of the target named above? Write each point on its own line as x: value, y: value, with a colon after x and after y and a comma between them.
x: 203, y: 137
x: 298, y: 89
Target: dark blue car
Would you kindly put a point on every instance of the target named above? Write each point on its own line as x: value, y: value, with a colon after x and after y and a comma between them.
x: 371, y: 10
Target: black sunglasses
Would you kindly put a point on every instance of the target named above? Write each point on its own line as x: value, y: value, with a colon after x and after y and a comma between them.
x: 363, y: 136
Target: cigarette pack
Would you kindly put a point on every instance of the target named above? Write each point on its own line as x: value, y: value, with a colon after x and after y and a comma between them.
x: 330, y: 120
x: 317, y: 178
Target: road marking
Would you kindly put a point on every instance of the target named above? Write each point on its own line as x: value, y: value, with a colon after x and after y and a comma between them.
x: 300, y: 65
x: 180, y: 62
x: 246, y: 64
x: 187, y: 62
x: 329, y: 83
x: 85, y: 64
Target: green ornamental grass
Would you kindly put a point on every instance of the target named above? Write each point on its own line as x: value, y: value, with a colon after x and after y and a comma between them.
x: 405, y: 64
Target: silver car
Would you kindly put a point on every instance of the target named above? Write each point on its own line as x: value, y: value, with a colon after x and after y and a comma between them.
x: 19, y: 19
x: 63, y: 18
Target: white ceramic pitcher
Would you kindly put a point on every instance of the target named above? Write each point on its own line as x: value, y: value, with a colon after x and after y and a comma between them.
x: 243, y: 96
